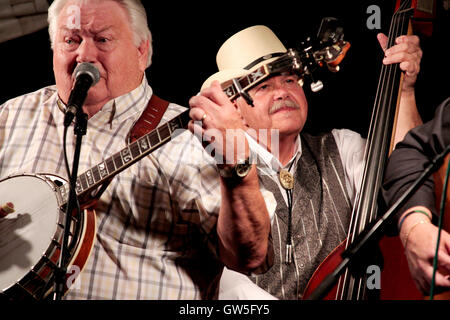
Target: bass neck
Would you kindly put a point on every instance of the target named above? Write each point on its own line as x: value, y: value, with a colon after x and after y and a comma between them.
x: 379, y: 145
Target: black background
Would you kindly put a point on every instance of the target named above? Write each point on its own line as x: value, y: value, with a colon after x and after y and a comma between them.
x: 187, y: 35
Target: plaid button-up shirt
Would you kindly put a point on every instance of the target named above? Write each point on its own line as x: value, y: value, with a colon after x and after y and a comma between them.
x: 156, y: 235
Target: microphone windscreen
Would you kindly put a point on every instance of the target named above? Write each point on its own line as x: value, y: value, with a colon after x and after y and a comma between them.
x: 89, y: 69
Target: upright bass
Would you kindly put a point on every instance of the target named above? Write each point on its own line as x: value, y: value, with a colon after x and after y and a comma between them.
x: 396, y: 283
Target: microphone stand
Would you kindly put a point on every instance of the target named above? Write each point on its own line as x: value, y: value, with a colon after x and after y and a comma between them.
x: 80, y: 129
x: 355, y: 248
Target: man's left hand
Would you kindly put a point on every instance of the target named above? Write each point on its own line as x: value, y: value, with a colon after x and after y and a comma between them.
x: 407, y: 53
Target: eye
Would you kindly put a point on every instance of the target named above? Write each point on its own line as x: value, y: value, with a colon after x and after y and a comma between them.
x: 71, y: 42
x: 290, y: 80
x: 103, y: 40
x: 263, y: 87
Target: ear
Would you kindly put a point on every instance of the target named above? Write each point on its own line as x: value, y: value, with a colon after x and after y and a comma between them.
x: 143, y: 52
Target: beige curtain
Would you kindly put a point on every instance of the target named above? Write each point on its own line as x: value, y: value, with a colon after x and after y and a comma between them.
x: 21, y: 17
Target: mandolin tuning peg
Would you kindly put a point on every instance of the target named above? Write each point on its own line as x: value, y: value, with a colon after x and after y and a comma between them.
x: 333, y: 68
x: 316, y: 86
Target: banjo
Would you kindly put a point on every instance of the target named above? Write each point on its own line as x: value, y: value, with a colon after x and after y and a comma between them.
x: 32, y: 234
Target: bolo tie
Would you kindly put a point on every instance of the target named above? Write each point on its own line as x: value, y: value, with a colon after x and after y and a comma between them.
x: 287, y: 182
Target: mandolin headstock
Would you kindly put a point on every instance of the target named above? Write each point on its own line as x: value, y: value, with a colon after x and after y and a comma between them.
x: 328, y: 48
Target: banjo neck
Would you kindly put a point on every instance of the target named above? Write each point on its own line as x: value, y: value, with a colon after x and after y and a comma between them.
x: 103, y: 172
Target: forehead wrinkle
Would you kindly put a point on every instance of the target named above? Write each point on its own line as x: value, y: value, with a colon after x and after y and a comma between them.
x: 89, y: 18
x: 91, y: 30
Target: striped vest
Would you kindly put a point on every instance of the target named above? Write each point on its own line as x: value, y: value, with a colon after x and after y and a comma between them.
x: 320, y: 217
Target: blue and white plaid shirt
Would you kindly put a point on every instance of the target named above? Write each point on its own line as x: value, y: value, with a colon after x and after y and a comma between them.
x: 156, y: 236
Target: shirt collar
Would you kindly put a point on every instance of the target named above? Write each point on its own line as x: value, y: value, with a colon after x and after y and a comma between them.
x: 121, y: 108
x: 267, y: 159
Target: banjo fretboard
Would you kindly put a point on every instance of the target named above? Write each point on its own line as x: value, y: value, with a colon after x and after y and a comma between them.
x: 132, y: 153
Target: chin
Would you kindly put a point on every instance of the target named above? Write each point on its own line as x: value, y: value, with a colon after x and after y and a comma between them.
x: 96, y: 95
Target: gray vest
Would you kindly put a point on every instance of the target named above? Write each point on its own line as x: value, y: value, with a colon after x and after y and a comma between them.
x: 320, y: 217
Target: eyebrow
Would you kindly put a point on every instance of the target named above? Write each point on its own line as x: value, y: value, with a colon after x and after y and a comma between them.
x: 72, y: 30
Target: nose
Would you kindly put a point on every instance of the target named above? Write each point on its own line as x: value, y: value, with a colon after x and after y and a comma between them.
x: 87, y: 51
x: 280, y: 92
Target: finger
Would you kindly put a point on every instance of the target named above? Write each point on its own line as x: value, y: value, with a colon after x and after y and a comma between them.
x: 203, y: 103
x: 401, y: 57
x: 441, y: 280
x: 411, y: 69
x: 444, y: 262
x: 404, y: 47
x: 382, y: 40
x: 413, y: 39
x: 216, y: 94
x: 197, y: 114
x: 444, y: 252
x: 445, y: 241
x: 196, y: 129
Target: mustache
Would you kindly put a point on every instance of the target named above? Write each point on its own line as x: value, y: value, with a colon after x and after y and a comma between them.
x: 277, y: 105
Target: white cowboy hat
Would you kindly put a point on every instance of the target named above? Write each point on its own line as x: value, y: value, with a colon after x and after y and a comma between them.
x: 245, y: 52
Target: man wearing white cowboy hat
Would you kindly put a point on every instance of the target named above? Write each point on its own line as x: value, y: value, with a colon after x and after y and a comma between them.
x: 313, y: 210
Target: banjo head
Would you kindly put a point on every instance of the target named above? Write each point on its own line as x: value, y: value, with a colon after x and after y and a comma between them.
x: 26, y: 233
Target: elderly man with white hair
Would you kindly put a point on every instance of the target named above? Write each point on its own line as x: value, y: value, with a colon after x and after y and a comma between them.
x: 167, y: 225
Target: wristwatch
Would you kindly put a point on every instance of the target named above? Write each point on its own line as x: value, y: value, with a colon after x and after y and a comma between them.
x: 238, y: 171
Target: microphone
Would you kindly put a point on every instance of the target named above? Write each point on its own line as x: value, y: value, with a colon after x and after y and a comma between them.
x: 85, y: 75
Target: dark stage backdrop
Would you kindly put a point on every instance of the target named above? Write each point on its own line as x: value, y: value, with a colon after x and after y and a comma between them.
x: 187, y: 35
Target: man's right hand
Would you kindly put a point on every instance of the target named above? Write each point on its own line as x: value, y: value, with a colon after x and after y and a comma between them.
x: 219, y: 125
